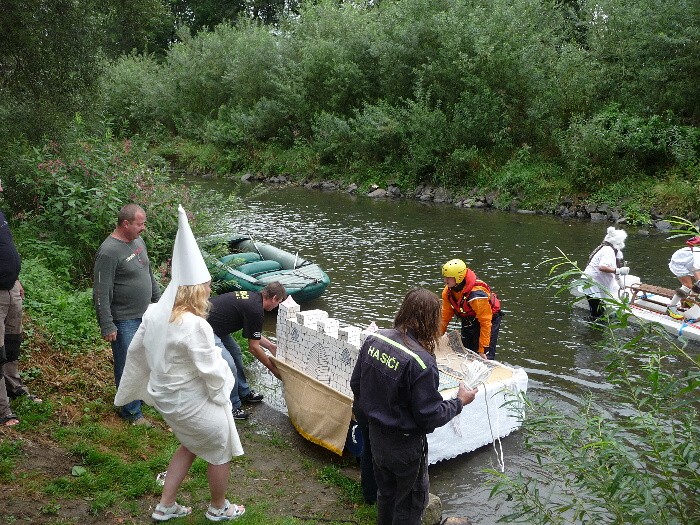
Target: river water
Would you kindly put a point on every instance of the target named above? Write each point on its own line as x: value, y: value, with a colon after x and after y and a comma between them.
x: 375, y: 250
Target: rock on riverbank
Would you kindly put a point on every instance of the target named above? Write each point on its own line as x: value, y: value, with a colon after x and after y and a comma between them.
x: 567, y: 208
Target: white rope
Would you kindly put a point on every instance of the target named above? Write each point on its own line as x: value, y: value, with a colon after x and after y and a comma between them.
x: 500, y: 458
x: 475, y: 372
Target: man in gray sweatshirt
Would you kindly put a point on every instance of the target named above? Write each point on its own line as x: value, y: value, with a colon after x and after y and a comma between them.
x: 123, y: 288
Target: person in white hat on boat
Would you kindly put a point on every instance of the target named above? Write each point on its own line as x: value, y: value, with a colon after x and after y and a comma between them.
x: 173, y: 365
x: 685, y: 264
x: 605, y: 264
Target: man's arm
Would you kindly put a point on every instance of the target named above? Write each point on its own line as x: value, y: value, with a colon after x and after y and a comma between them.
x: 155, y: 289
x: 102, y: 289
x: 482, y: 309
x: 259, y: 353
x: 268, y: 345
x: 447, y: 312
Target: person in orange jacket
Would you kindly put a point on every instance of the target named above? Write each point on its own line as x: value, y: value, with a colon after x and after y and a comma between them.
x: 471, y: 299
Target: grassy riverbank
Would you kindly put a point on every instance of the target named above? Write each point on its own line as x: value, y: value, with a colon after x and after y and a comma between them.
x: 524, y: 182
x: 72, y: 460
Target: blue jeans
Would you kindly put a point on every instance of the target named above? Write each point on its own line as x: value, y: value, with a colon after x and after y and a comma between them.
x: 125, y: 333
x: 231, y: 352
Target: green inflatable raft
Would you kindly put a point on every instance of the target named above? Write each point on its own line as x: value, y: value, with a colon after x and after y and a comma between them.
x: 251, y: 264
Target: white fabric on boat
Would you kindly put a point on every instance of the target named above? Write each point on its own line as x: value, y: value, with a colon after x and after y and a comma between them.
x: 685, y: 261
x: 318, y: 412
x: 496, y: 411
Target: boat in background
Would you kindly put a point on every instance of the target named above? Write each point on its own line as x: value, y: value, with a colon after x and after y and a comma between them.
x: 239, y: 262
x: 648, y: 303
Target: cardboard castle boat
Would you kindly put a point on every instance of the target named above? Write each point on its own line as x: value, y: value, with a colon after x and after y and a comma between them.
x: 316, y: 357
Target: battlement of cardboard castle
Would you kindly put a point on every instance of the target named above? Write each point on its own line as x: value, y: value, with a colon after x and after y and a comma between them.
x: 316, y: 344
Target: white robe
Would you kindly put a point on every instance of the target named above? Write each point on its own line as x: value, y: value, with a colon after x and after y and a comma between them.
x: 606, y: 283
x: 189, y: 384
x: 685, y: 261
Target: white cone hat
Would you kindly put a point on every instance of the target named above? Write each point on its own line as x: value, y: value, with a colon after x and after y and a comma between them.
x: 188, y: 268
x: 188, y: 264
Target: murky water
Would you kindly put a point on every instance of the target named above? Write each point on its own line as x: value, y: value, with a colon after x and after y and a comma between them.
x: 374, y: 251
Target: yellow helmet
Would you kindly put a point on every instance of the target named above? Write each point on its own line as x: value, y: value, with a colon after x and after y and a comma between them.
x: 455, y: 268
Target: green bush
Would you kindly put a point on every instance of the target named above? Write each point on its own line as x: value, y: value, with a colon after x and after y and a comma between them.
x: 377, y: 133
x: 71, y: 193
x: 266, y: 121
x: 67, y: 317
x: 614, y: 142
x: 300, y: 162
x: 480, y: 119
x: 534, y: 184
x: 134, y: 95
x: 373, y: 135
x: 332, y: 138
x: 640, y: 467
x: 427, y: 141
x: 678, y: 192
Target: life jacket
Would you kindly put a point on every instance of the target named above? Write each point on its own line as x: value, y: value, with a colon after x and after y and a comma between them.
x: 462, y: 308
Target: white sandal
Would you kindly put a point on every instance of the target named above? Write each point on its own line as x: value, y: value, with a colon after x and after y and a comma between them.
x: 163, y: 513
x: 229, y: 512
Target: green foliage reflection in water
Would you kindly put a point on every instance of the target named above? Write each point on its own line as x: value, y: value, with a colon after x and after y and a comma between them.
x: 643, y: 465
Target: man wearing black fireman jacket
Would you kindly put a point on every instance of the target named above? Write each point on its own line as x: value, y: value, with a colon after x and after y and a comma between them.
x: 395, y: 385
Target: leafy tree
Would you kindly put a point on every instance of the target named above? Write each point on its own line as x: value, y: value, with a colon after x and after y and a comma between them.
x: 207, y: 14
x: 140, y: 26
x: 649, y: 52
x: 50, y: 57
x: 52, y: 52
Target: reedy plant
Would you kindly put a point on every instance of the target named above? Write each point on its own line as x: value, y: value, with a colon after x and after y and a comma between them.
x: 640, y: 467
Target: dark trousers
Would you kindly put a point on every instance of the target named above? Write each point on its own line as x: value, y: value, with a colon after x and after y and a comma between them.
x: 471, y: 329
x: 596, y: 307
x: 401, y: 472
x: 368, y: 483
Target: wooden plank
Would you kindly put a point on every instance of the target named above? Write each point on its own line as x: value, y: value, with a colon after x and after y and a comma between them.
x: 648, y: 288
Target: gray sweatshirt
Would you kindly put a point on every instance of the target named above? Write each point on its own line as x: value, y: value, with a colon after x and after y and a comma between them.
x: 123, y: 285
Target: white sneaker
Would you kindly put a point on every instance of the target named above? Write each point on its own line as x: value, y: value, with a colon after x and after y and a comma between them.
x: 229, y: 512
x: 163, y: 513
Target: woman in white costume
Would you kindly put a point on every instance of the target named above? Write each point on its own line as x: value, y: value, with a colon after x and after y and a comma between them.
x: 604, y: 265
x: 173, y: 365
x: 685, y: 264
